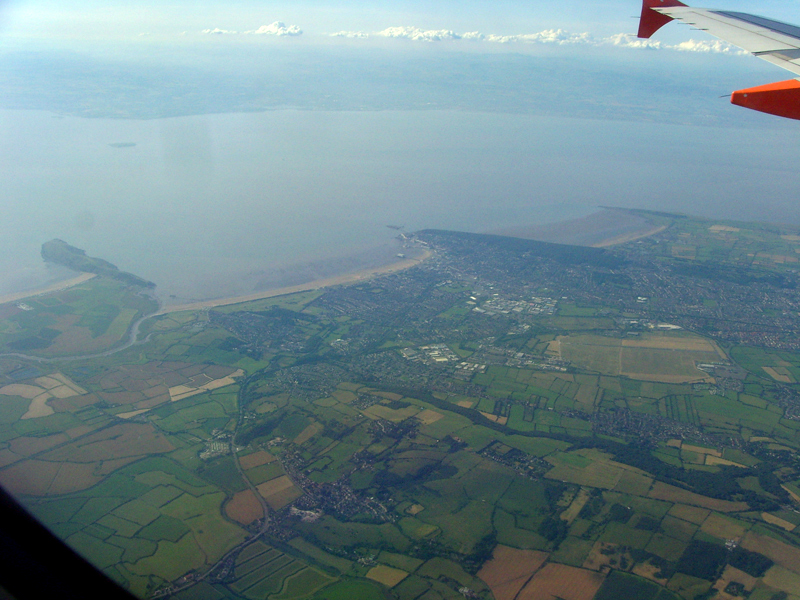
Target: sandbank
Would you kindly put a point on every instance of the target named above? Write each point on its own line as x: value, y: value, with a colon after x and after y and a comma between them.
x: 348, y: 278
x: 629, y: 237
x: 606, y: 227
x: 56, y: 287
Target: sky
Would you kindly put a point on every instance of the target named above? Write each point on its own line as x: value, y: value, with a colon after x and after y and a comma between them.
x: 66, y: 21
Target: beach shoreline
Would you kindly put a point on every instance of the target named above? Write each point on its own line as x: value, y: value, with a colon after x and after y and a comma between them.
x: 605, y: 227
x: 638, y: 230
x: 55, y: 287
x: 346, y: 279
x: 629, y: 237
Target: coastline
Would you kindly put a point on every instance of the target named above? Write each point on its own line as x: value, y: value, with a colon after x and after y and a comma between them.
x: 55, y: 287
x: 635, y: 228
x: 606, y: 227
x: 629, y: 237
x: 348, y: 278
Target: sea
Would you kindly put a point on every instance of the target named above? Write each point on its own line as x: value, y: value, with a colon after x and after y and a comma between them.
x: 222, y: 205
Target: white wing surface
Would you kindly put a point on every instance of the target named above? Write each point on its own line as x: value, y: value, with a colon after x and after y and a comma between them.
x: 773, y: 41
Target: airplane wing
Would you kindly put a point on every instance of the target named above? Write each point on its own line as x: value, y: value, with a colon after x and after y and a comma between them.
x: 773, y: 41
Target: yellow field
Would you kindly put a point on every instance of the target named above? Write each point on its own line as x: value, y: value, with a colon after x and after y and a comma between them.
x: 561, y: 581
x: 648, y: 571
x: 40, y: 478
x: 633, y: 483
x: 668, y: 357
x: 675, y: 341
x: 781, y: 374
x: 384, y: 412
x: 388, y: 576
x: 581, y: 498
x: 594, y: 469
x: 794, y: 496
x: 723, y: 527
x: 256, y: 459
x: 509, y: 569
x: 670, y: 493
x: 244, y: 507
x: 733, y: 574
x: 179, y: 392
x: 279, y: 492
x: 782, y: 554
x: 132, y: 413
x: 21, y: 389
x: 701, y: 450
x: 429, y: 416
x: 715, y: 460
x: 692, y: 514
x: 495, y: 418
x: 42, y: 389
x: 273, y: 486
x: 778, y: 521
x: 39, y: 407
x: 307, y: 433
x: 783, y: 579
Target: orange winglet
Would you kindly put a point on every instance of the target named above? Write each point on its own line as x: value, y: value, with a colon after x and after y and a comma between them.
x: 651, y: 21
x: 781, y: 98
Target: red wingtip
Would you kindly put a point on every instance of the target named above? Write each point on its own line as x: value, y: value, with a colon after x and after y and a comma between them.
x: 651, y: 21
x: 781, y: 98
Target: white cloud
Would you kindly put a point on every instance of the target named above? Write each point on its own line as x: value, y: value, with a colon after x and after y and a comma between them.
x: 715, y: 46
x: 548, y: 36
x: 417, y: 34
x: 350, y: 34
x: 627, y: 40
x: 277, y: 28
x: 218, y: 31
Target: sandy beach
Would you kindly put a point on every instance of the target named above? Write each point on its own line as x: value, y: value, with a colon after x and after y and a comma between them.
x: 629, y: 237
x: 606, y: 227
x: 356, y: 277
x: 56, y: 287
